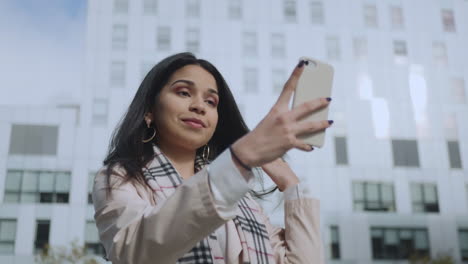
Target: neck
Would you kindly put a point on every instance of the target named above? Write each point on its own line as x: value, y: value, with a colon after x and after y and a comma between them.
x: 182, y: 159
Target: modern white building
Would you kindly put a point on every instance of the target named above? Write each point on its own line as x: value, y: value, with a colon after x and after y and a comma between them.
x: 392, y: 177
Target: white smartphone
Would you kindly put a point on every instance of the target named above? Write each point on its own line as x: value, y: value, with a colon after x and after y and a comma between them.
x: 316, y: 81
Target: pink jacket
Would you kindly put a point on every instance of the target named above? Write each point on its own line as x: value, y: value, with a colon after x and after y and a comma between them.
x: 136, y: 228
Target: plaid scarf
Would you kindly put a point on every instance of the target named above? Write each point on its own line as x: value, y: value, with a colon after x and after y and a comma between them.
x: 163, y: 179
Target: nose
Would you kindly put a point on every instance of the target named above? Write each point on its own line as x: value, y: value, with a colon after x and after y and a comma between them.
x: 198, y: 106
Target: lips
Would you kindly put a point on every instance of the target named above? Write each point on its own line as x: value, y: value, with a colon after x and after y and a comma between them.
x: 194, y: 122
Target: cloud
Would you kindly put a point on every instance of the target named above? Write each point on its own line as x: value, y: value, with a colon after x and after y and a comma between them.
x: 41, y: 51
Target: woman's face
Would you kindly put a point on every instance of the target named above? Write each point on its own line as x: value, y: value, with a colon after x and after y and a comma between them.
x: 186, y: 114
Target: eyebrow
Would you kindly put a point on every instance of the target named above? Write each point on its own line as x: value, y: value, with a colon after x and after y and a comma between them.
x: 210, y: 90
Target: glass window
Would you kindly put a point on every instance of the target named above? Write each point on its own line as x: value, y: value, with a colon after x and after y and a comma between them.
x: 334, y: 242
x: 405, y: 153
x: 119, y: 37
x: 91, y: 176
x: 400, y: 51
x: 370, y: 16
x: 289, y: 10
x: 100, y: 111
x: 370, y: 196
x: 12, y: 186
x: 250, y: 43
x: 121, y: 6
x: 150, y: 7
x: 454, y: 154
x: 117, y: 74
x: 399, y: 243
x: 341, y: 151
x: 193, y: 40
x: 29, y: 186
x: 251, y: 80
x: 42, y: 235
x: 13, y: 181
x: 439, y: 53
x: 92, y: 243
x: 316, y: 13
x: 396, y: 14
x: 360, y: 47
x: 333, y: 48
x: 33, y: 140
x: 463, y: 241
x: 277, y: 45
x: 7, y: 236
x: 164, y: 38
x: 448, y: 20
x: 424, y: 196
x: 37, y: 186
x: 192, y: 8
x: 235, y: 9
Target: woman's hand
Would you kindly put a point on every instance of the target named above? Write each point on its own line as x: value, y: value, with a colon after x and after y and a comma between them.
x: 281, y: 174
x: 277, y: 132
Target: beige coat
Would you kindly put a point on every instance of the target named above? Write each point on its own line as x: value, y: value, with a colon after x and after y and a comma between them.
x: 135, y: 229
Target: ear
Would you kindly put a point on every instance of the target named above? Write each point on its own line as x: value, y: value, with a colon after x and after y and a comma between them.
x: 148, y: 118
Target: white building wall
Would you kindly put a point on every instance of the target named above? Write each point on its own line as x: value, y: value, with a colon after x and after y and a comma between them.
x: 369, y: 115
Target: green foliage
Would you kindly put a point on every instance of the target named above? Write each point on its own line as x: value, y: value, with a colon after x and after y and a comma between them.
x: 75, y: 254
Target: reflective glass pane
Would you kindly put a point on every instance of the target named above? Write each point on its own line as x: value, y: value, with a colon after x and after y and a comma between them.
x: 8, y: 230
x: 430, y: 193
x: 7, y: 248
x: 28, y: 197
x: 62, y: 182
x: 416, y: 192
x: 91, y: 232
x: 463, y: 234
x: 29, y: 182
x: 46, y: 181
x: 420, y: 241
x: 91, y: 181
x: 387, y: 193
x: 391, y: 237
x: 454, y: 154
x: 405, y: 234
x: 334, y: 234
x: 376, y: 232
x: 372, y: 192
x: 418, y: 207
x: 11, y: 197
x: 13, y: 181
x: 358, y: 191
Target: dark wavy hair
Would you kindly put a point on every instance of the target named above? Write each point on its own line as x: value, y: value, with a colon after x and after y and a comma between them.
x: 126, y: 148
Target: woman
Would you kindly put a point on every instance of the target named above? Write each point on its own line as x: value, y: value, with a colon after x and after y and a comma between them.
x: 180, y: 165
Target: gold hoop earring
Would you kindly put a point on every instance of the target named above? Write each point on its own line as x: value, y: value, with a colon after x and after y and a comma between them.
x: 151, y: 138
x: 206, y: 153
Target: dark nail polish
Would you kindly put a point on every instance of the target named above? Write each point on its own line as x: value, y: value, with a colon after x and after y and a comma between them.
x: 301, y: 63
x: 330, y: 122
x: 306, y: 62
x: 311, y: 148
x: 329, y: 99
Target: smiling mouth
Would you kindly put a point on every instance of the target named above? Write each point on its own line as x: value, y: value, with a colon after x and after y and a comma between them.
x: 193, y: 123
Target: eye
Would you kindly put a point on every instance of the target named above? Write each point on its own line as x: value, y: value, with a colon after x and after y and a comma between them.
x: 183, y: 93
x: 211, y: 102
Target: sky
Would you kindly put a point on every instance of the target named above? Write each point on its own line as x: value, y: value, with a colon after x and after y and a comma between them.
x: 41, y: 51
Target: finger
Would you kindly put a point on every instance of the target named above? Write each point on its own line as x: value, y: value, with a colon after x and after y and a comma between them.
x: 309, y: 127
x: 308, y: 107
x: 298, y: 144
x: 290, y: 84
